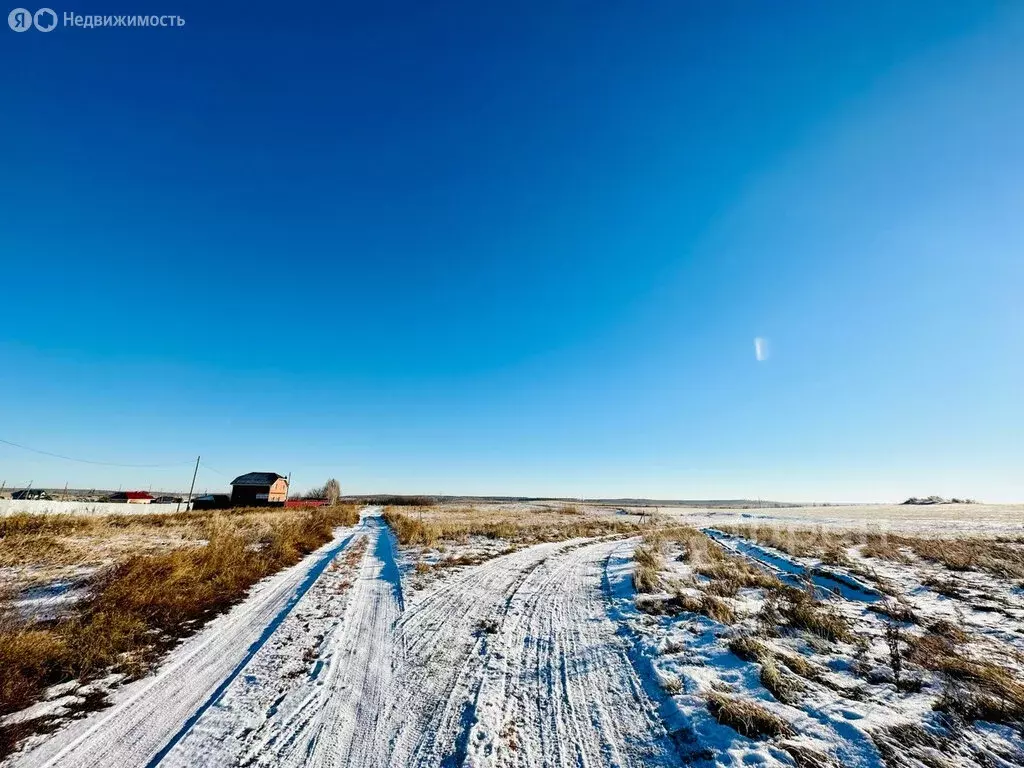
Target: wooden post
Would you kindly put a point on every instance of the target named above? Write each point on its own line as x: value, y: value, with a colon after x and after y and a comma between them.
x: 191, y: 487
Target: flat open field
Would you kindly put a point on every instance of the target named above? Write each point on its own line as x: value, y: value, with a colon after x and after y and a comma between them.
x: 928, y: 519
x: 530, y: 634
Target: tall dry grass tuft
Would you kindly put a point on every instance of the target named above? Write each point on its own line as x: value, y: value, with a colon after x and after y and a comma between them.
x: 411, y: 530
x: 727, y: 573
x: 805, y: 613
x: 648, y: 561
x: 746, y: 716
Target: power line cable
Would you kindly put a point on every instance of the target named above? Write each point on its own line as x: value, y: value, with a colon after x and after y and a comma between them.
x: 89, y: 461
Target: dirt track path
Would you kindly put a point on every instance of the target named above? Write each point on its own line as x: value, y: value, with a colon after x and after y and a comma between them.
x: 558, y: 688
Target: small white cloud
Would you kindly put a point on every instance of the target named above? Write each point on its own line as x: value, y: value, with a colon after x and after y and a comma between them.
x: 761, y: 349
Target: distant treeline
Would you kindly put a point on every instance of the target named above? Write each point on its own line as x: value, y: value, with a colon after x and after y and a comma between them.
x: 393, y: 501
x: 938, y: 500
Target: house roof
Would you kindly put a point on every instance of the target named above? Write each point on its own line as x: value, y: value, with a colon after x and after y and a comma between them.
x: 257, y: 478
x: 132, y: 495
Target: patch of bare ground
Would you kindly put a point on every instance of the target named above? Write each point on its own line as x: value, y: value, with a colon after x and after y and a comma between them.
x: 142, y: 604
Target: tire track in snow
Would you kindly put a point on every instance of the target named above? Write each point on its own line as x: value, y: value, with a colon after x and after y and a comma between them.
x: 328, y: 715
x: 359, y: 677
x: 447, y: 644
x: 390, y: 685
x: 149, y: 714
x: 558, y: 688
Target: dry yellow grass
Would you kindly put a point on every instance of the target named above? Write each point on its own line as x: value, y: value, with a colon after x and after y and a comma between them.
x: 783, y: 687
x: 647, y: 564
x: 746, y: 716
x: 724, y: 573
x: 998, y: 556
x: 802, y: 612
x: 141, y: 606
x: 429, y: 526
x: 828, y: 546
x: 978, y: 689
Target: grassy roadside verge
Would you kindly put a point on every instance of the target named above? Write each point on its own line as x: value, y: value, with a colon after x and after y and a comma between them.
x: 429, y: 526
x: 142, y: 605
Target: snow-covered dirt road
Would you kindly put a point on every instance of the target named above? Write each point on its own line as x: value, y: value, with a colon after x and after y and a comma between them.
x: 149, y: 715
x: 558, y: 687
x: 513, y: 662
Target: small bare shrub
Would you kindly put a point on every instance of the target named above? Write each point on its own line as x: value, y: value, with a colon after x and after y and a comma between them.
x: 332, y: 490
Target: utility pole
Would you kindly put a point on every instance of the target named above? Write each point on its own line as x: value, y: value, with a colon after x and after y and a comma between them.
x: 64, y: 496
x: 192, y: 487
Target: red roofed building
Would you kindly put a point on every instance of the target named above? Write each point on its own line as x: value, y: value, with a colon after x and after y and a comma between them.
x: 132, y: 497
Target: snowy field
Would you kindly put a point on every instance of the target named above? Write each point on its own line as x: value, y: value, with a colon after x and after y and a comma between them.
x: 929, y: 519
x: 551, y: 635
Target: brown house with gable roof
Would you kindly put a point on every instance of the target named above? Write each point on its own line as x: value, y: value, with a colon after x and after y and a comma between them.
x: 259, y: 489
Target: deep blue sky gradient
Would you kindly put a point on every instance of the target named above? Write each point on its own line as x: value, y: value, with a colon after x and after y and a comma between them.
x: 524, y: 249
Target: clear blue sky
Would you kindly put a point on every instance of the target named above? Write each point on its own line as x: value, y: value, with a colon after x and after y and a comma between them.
x: 525, y: 249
